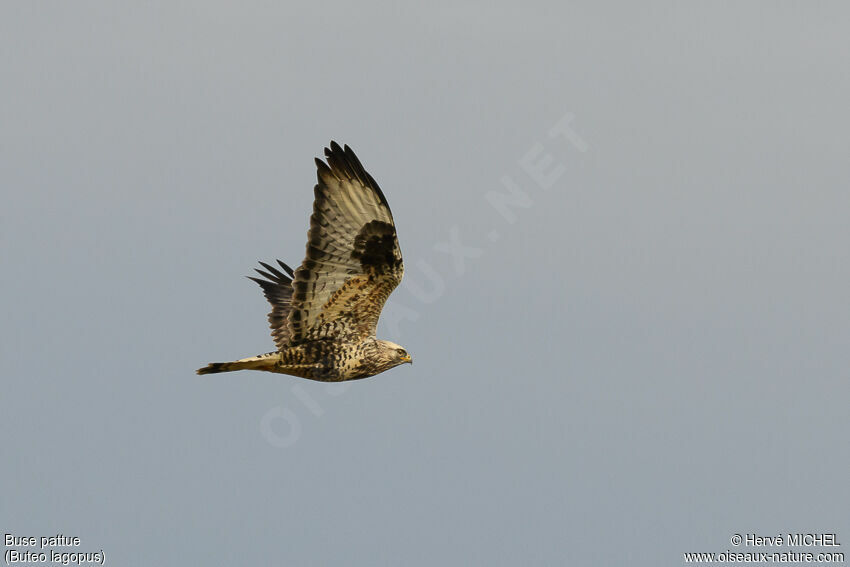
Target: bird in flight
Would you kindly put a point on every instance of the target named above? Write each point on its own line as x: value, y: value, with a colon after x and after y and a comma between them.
x: 324, y: 314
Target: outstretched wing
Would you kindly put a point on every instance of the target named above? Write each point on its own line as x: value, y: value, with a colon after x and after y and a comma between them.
x: 277, y: 287
x: 353, y: 261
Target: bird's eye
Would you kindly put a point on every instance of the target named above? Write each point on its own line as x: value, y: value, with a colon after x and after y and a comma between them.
x: 402, y: 352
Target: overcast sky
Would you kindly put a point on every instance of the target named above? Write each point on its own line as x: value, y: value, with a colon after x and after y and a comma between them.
x: 625, y: 231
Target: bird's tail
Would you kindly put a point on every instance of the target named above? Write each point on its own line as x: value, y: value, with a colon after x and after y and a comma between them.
x: 259, y: 362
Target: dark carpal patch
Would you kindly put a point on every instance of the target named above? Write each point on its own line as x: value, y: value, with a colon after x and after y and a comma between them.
x: 375, y: 246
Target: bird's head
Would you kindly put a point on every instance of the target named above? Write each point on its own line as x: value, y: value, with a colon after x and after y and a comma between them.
x: 392, y: 354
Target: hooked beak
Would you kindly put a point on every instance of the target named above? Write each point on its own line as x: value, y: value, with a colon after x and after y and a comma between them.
x: 407, y: 359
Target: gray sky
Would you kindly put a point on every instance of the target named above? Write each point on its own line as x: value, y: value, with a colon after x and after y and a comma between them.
x: 641, y: 360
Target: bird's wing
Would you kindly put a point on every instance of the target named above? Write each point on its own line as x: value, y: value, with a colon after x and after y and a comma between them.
x: 353, y: 261
x: 277, y: 287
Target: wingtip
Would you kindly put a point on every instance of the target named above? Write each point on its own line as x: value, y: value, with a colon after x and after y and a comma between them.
x: 342, y: 163
x: 286, y: 268
x: 268, y: 267
x: 275, y: 275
